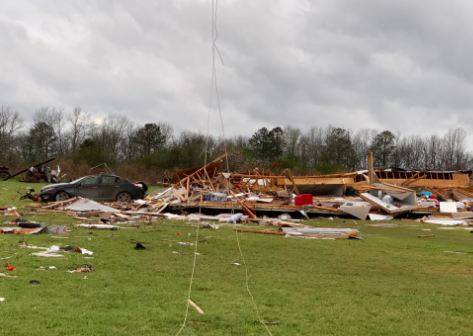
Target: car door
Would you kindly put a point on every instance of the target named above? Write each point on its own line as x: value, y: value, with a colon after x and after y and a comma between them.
x: 109, y: 187
x: 89, y: 188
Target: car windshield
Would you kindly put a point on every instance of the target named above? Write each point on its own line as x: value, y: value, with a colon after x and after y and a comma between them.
x: 79, y: 179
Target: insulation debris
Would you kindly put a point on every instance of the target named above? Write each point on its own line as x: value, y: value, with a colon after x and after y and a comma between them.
x: 98, y: 226
x: 444, y: 221
x: 322, y: 233
x: 86, y: 205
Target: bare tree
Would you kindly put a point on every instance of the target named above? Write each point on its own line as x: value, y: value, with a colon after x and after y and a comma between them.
x: 454, y: 156
x: 112, y: 136
x: 53, y: 117
x: 311, y: 144
x: 291, y: 137
x: 10, y: 124
x: 79, y: 126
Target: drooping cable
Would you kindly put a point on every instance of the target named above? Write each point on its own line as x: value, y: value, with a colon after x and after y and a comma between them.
x: 215, y: 90
x: 206, y: 150
x: 247, y: 284
x: 191, y: 281
x: 247, y: 281
x: 215, y: 86
x: 216, y: 52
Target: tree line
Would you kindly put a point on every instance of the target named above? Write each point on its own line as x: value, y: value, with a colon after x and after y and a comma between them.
x: 155, y: 149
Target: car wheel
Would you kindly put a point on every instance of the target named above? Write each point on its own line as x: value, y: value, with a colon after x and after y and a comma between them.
x: 124, y: 197
x: 61, y: 196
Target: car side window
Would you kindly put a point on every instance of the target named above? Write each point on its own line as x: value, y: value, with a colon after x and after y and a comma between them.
x: 89, y: 181
x: 109, y: 180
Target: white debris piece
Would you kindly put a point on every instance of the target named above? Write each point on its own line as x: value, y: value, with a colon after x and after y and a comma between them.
x: 98, y: 226
x: 140, y: 202
x: 169, y: 215
x: 448, y: 207
x: 85, y: 204
x: 85, y: 251
x: 359, y: 210
x: 444, y: 221
x: 379, y: 217
x: 256, y: 198
x: 238, y: 217
x: 321, y: 233
x: 50, y: 252
x: 387, y: 207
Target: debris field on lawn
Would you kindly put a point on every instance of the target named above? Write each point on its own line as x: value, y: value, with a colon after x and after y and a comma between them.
x: 256, y: 203
x: 211, y: 194
x: 436, y: 197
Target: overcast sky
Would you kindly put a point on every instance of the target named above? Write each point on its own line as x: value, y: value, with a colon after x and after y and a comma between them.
x: 402, y: 65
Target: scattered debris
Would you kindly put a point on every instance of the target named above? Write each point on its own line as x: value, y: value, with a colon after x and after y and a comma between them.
x: 185, y: 244
x: 56, y: 229
x: 55, y: 251
x: 210, y: 226
x: 196, y: 307
x: 47, y: 254
x: 38, y: 172
x: 9, y: 267
x: 322, y: 233
x: 26, y: 224
x: 3, y: 275
x: 378, y: 217
x: 20, y: 231
x: 384, y: 225
x: 272, y: 322
x: 448, y: 207
x: 87, y: 205
x: 426, y: 236
x: 51, y: 252
x: 85, y: 268
x: 98, y: 226
x: 458, y: 252
x: 444, y: 221
x: 359, y: 210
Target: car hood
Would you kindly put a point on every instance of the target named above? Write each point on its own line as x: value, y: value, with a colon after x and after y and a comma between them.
x: 54, y: 186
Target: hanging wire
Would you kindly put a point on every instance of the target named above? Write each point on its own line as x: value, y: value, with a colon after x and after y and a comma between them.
x: 216, y: 52
x: 206, y: 150
x: 214, y: 88
x: 191, y: 281
x: 247, y: 284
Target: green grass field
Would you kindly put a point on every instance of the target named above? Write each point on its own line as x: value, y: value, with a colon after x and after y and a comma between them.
x: 390, y: 283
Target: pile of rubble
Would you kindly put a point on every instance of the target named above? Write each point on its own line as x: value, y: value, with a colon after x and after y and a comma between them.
x: 210, y: 194
x: 377, y: 195
x: 372, y: 194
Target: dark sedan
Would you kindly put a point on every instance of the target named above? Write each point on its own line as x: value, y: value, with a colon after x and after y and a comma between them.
x: 103, y: 187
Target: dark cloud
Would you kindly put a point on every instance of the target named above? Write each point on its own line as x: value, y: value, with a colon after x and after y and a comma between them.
x: 402, y: 65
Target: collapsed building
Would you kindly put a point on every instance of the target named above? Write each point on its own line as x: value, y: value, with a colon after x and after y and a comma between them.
x: 210, y: 193
x: 360, y: 194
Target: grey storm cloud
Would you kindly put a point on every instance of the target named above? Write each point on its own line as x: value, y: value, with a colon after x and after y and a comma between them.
x: 399, y: 65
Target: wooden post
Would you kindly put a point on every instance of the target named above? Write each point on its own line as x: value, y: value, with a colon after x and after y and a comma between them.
x: 371, y: 173
x: 288, y: 174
